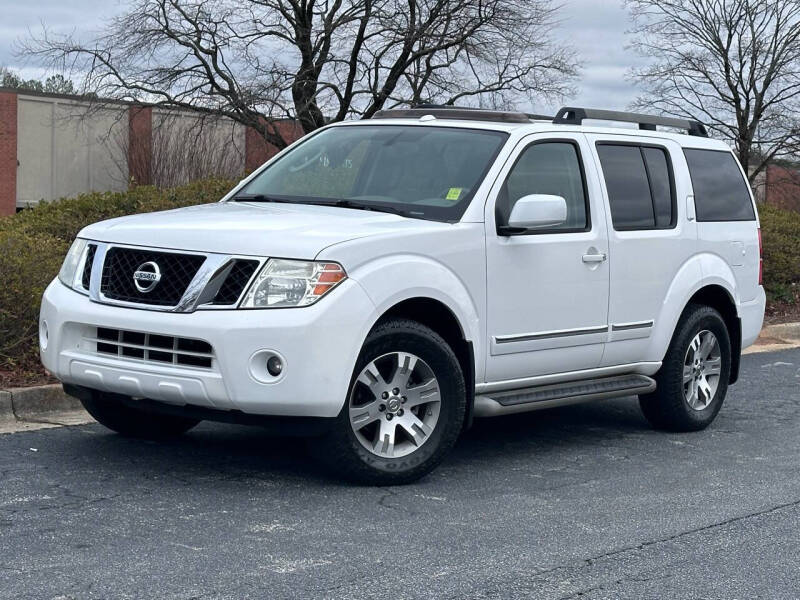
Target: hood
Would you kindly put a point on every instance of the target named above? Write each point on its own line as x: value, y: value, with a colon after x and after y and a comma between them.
x: 257, y: 229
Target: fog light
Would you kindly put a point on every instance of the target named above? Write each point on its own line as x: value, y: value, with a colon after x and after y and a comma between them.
x: 267, y: 366
x: 274, y: 366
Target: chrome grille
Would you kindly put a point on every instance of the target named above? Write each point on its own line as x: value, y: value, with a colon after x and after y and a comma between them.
x: 177, y: 272
x: 152, y: 347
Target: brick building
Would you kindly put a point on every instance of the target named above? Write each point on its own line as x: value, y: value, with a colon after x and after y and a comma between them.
x: 54, y: 146
x: 782, y: 187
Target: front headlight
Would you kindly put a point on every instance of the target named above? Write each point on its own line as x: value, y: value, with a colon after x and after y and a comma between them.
x: 72, y: 270
x: 284, y: 283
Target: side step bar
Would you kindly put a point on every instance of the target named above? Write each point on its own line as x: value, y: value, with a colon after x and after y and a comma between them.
x: 560, y: 394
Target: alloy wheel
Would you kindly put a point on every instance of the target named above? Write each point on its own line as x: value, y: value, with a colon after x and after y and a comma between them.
x: 394, y: 404
x: 702, y: 368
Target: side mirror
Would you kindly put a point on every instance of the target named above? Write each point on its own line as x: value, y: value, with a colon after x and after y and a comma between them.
x: 535, y: 211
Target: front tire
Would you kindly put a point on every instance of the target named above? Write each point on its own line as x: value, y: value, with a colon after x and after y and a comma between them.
x: 693, y: 379
x: 404, y: 410
x: 110, y: 411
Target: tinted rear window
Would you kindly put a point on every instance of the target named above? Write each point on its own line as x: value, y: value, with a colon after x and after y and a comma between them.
x: 720, y: 191
x: 660, y: 184
x: 628, y: 189
x: 639, y: 183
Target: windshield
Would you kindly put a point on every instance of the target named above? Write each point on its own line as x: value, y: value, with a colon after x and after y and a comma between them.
x: 417, y: 171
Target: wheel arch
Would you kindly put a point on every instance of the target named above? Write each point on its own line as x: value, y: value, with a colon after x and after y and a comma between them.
x: 439, y: 317
x: 718, y: 298
x: 703, y: 279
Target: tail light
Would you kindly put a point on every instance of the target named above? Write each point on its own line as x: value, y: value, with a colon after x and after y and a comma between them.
x: 760, y: 259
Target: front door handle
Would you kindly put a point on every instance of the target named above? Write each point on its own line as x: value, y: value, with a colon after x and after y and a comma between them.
x: 594, y: 258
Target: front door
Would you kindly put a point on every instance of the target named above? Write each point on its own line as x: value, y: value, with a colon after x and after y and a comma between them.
x: 547, y: 288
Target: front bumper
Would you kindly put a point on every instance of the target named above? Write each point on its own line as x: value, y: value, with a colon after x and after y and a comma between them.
x: 319, y: 345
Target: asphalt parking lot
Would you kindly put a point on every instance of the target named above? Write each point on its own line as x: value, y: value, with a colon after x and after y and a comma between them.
x: 582, y: 501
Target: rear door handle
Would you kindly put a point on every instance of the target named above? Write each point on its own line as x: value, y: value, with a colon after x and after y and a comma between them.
x: 594, y: 258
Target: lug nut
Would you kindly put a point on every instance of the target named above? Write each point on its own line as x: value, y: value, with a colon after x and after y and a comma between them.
x: 389, y: 416
x: 382, y: 407
x: 385, y: 395
x: 403, y: 399
x: 396, y: 391
x: 400, y: 413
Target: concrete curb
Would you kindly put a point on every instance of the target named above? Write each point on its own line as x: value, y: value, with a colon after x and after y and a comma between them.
x: 783, y: 331
x: 35, y: 403
x: 6, y: 409
x: 783, y: 336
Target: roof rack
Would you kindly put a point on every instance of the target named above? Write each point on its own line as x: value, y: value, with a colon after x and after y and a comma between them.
x: 575, y: 116
x: 441, y: 111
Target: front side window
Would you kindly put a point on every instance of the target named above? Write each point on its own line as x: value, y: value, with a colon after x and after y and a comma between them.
x: 552, y: 168
x: 640, y: 187
x: 419, y: 171
x: 720, y: 191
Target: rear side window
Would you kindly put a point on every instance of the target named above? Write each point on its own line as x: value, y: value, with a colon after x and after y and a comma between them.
x: 639, y: 181
x: 720, y: 191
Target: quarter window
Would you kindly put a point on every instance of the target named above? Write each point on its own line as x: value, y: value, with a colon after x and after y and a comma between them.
x: 720, y: 191
x: 640, y: 187
x: 547, y: 168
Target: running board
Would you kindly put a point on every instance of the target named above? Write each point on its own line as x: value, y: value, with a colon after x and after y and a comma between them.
x: 560, y: 394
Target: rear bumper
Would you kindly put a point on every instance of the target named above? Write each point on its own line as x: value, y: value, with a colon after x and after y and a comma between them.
x: 751, y: 315
x: 319, y: 345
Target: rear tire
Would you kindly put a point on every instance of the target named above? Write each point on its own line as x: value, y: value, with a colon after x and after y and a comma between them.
x: 110, y: 411
x: 404, y: 410
x: 693, y: 379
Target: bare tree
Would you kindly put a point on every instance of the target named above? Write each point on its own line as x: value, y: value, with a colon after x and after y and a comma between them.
x: 185, y: 146
x: 733, y: 64
x: 257, y: 61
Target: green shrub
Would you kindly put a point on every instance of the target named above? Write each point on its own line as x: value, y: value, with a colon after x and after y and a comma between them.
x: 780, y: 233
x: 28, y: 263
x: 33, y: 244
x: 66, y: 217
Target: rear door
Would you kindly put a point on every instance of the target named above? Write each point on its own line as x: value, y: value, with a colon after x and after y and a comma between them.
x: 646, y: 190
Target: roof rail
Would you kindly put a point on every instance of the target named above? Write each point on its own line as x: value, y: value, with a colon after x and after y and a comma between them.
x: 532, y: 116
x: 453, y: 112
x: 575, y: 116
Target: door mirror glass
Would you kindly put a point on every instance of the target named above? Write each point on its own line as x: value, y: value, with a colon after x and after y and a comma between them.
x: 538, y: 210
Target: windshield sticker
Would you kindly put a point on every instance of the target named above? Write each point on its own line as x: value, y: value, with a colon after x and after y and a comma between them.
x: 454, y: 193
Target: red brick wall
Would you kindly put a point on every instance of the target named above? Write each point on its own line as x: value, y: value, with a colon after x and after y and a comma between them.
x: 8, y: 153
x: 783, y: 187
x: 140, y: 144
x: 257, y: 150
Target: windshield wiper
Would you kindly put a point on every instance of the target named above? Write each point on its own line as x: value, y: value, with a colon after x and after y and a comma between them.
x: 362, y: 206
x: 257, y: 198
x: 338, y: 203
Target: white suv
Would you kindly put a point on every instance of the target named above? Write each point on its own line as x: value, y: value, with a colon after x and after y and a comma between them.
x: 382, y: 282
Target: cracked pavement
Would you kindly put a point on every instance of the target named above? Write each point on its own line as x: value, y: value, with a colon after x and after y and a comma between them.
x: 577, y: 502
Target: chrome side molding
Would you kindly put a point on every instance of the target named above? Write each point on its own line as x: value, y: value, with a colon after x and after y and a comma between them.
x: 629, y: 326
x: 528, y: 337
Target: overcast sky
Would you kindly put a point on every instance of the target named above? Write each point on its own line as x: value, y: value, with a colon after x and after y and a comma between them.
x: 596, y: 28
